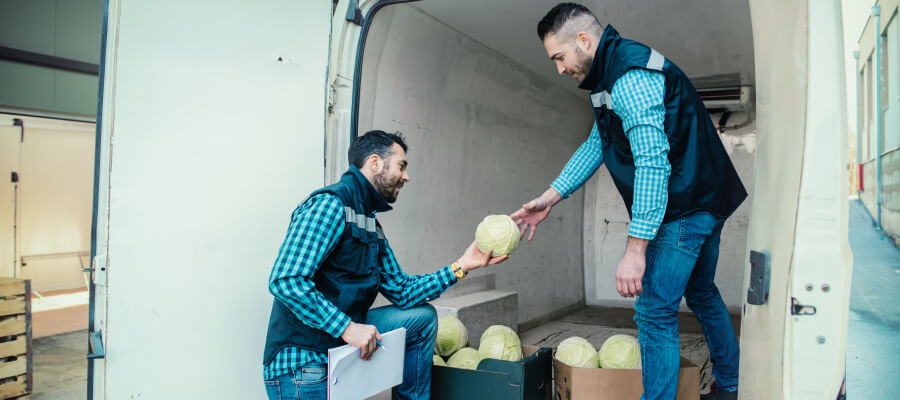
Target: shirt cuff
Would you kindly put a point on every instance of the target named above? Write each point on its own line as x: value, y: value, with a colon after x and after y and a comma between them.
x: 643, y: 229
x: 337, y: 327
x: 563, y: 186
x: 445, y: 277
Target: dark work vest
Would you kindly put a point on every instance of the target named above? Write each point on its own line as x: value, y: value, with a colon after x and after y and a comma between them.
x: 703, y: 177
x: 348, y: 277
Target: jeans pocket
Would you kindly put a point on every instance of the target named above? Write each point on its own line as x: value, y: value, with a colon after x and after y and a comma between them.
x: 311, y: 381
x: 273, y: 390
x: 694, y: 230
x: 689, y: 238
x: 313, y: 374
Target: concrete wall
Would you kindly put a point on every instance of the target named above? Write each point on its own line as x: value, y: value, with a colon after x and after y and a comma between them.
x: 869, y: 187
x: 890, y: 186
x: 485, y: 135
x: 62, y: 28
x: 890, y: 160
x: 606, y: 229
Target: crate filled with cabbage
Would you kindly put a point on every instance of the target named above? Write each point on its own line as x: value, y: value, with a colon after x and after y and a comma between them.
x: 611, y: 372
x: 499, y: 368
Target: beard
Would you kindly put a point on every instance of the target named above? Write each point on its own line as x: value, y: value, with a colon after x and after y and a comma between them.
x: 388, y: 186
x: 584, y: 61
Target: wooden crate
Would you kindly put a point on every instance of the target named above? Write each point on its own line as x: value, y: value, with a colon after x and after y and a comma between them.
x: 15, y: 338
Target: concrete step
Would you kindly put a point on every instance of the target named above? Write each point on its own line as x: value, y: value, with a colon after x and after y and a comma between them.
x: 480, y: 310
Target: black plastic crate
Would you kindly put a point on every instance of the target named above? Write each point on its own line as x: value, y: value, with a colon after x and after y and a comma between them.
x: 528, y: 379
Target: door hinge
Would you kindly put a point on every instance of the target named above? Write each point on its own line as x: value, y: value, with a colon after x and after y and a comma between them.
x: 99, y: 269
x: 329, y: 97
x: 354, y: 14
x: 14, y: 177
x: 96, y: 346
x: 760, y: 271
x: 801, y: 309
x: 21, y: 124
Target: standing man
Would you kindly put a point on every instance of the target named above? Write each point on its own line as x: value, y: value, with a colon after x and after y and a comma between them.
x: 676, y: 179
x: 333, y: 262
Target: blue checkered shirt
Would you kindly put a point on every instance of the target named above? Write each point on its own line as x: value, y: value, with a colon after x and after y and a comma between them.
x: 637, y: 98
x: 314, y: 231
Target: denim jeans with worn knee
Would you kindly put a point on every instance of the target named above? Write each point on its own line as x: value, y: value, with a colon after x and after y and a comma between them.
x: 681, y: 261
x: 309, y: 381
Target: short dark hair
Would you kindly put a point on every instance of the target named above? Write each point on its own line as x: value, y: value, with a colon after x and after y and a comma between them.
x: 557, y: 17
x: 373, y: 142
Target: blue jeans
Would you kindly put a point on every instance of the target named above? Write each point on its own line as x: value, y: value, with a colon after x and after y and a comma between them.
x: 309, y: 382
x: 681, y: 261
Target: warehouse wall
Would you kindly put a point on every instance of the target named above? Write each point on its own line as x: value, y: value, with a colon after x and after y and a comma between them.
x: 485, y: 134
x: 56, y: 174
x: 62, y: 28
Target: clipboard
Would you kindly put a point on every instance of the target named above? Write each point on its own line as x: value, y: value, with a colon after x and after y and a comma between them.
x: 352, y: 378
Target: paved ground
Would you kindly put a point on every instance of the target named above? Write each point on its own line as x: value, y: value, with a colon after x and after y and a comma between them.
x: 60, y: 367
x: 873, y: 338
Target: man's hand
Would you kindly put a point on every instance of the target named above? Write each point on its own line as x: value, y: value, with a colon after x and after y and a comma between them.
x: 363, y: 337
x: 475, y: 258
x: 533, y: 212
x: 631, y: 268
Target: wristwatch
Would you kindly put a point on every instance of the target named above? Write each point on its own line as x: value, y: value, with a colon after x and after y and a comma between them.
x: 457, y: 270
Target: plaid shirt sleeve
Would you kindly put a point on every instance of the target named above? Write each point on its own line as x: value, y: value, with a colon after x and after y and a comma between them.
x: 637, y: 98
x: 315, y: 229
x: 407, y: 291
x: 581, y: 166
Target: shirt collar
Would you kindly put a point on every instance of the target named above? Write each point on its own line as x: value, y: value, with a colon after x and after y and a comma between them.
x: 595, y: 74
x: 372, y: 201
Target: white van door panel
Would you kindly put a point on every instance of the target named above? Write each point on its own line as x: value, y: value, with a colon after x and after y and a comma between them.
x: 792, y: 346
x: 822, y: 265
x: 212, y: 131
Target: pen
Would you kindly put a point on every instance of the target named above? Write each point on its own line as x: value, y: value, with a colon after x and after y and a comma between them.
x: 378, y: 342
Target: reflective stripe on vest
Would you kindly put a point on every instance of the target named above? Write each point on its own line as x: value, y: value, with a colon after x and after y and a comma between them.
x: 601, y: 99
x: 656, y: 60
x: 367, y: 223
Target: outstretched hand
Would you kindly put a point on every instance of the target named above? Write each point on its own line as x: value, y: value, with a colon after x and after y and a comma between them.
x: 475, y: 258
x: 530, y: 215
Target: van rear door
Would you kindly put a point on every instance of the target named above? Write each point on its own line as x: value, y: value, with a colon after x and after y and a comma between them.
x: 794, y: 323
x: 211, y: 130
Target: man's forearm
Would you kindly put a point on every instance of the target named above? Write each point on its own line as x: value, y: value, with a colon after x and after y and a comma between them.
x: 551, y: 196
x: 636, y: 246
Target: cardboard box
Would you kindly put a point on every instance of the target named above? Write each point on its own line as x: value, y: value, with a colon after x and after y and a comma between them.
x: 573, y: 383
x: 528, y: 379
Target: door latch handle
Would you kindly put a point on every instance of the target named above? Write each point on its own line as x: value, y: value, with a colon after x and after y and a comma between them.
x: 801, y: 309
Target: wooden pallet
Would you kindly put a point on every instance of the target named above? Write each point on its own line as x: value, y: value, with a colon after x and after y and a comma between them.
x: 15, y: 339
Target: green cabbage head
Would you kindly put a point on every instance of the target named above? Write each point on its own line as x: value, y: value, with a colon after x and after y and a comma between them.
x: 577, y: 352
x: 437, y: 360
x: 451, y: 336
x: 500, y: 342
x: 498, y: 233
x: 620, y: 352
x: 466, y: 357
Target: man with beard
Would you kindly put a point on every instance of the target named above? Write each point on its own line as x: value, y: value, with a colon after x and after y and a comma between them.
x: 334, y: 261
x: 678, y: 184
